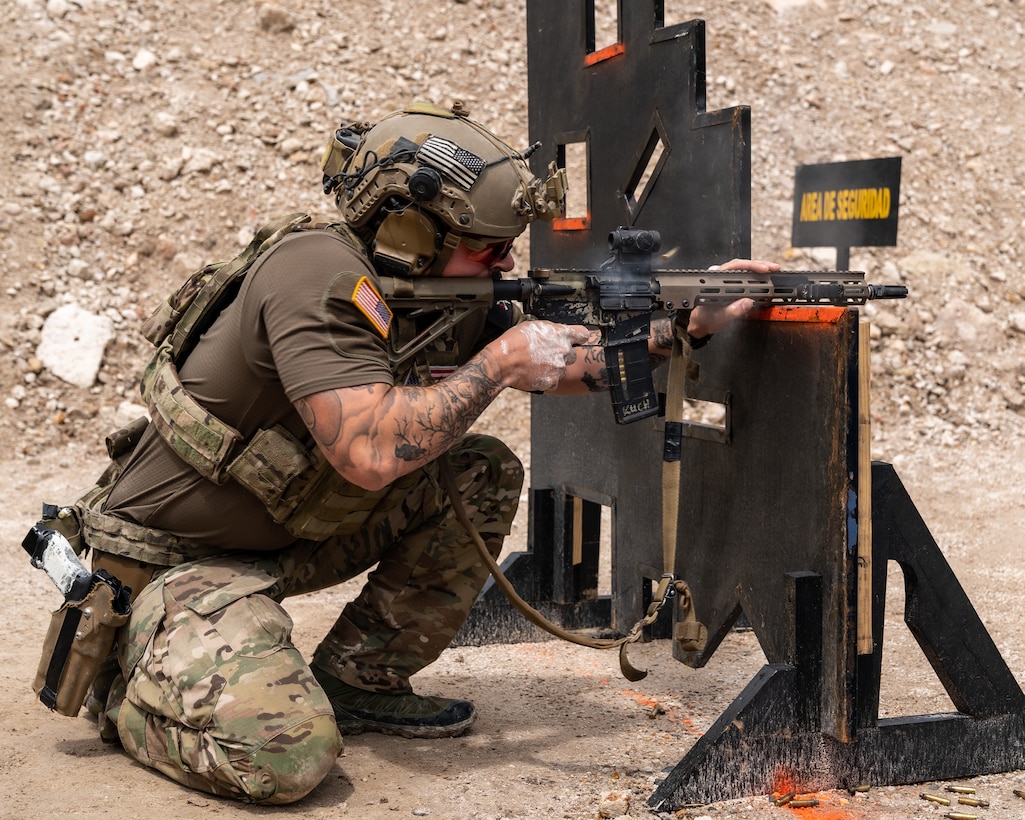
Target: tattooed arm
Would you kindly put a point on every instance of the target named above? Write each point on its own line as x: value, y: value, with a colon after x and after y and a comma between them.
x: 375, y: 433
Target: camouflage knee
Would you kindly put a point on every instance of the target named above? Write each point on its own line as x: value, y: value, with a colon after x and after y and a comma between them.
x: 427, y: 580
x: 217, y: 697
x: 489, y: 478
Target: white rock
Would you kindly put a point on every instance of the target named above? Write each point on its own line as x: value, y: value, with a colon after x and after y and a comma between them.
x: 1016, y: 321
x: 144, y: 58
x: 165, y: 124
x: 78, y: 268
x: 94, y: 160
x: 72, y: 344
x: 58, y: 8
x: 200, y: 161
x: 615, y: 804
x: 127, y: 412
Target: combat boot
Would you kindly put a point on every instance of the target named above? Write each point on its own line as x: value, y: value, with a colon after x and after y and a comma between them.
x: 98, y: 698
x: 358, y: 710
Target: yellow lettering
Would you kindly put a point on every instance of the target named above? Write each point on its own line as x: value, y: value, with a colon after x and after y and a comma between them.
x: 810, y: 207
x: 845, y: 204
x: 863, y: 203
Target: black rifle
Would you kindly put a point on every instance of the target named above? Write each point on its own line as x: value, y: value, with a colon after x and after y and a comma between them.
x: 620, y: 299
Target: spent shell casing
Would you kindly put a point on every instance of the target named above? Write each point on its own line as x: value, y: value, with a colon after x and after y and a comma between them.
x: 1019, y: 793
x: 803, y: 804
x: 965, y: 800
x: 961, y: 789
x: 864, y: 787
x: 785, y: 799
x: 935, y: 798
x: 960, y: 815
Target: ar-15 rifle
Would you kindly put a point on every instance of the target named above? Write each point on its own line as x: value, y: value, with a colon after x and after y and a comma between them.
x: 620, y: 299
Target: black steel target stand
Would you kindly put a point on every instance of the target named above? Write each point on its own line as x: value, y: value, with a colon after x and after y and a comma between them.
x: 768, y: 511
x: 771, y: 733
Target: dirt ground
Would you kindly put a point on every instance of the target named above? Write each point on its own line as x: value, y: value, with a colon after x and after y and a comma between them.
x: 559, y: 731
x: 142, y: 139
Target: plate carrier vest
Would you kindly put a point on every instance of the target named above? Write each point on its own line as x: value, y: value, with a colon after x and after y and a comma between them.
x: 297, y: 485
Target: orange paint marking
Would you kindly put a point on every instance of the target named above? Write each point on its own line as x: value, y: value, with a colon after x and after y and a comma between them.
x: 567, y: 223
x: 606, y: 53
x: 799, y: 313
x: 828, y: 807
x: 656, y: 706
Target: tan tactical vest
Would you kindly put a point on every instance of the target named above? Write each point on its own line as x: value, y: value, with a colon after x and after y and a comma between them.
x: 298, y: 486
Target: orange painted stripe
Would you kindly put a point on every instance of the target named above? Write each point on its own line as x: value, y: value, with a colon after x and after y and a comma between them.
x: 799, y: 313
x: 580, y: 223
x: 605, y: 53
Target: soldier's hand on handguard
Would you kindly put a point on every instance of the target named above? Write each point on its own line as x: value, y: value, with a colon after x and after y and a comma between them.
x: 536, y: 353
x: 708, y: 319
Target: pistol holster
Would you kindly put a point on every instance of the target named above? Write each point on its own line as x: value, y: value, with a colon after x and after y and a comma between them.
x: 79, y: 639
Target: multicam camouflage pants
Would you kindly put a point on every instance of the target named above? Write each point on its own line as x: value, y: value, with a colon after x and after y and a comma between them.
x: 215, y: 695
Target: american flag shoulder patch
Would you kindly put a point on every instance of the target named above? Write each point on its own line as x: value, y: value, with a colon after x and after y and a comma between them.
x: 371, y: 305
x: 460, y: 165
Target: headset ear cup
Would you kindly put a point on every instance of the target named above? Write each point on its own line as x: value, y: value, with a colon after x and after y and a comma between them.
x: 406, y: 243
x: 424, y: 184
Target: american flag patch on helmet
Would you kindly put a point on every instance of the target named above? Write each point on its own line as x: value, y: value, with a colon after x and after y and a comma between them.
x: 458, y: 164
x: 371, y: 305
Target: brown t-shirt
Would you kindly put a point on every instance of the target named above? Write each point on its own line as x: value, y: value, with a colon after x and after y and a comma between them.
x: 292, y: 331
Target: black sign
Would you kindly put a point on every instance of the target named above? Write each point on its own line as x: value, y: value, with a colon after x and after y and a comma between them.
x: 846, y: 204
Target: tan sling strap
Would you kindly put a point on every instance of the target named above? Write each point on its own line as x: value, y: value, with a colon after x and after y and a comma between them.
x: 691, y: 634
x: 687, y: 631
x: 525, y: 609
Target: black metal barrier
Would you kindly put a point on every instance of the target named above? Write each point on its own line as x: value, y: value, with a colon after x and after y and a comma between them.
x: 774, y: 521
x: 769, y: 529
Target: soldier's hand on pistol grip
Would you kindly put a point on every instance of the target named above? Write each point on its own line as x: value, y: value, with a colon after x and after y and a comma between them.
x: 535, y: 354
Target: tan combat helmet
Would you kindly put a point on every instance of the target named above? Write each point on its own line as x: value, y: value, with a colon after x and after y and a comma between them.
x: 421, y: 180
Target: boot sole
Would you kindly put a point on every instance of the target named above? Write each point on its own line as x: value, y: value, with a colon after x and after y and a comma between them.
x: 349, y: 724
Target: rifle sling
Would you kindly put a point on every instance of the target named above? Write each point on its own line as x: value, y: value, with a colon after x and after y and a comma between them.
x: 671, y: 453
x: 531, y: 614
x: 687, y: 630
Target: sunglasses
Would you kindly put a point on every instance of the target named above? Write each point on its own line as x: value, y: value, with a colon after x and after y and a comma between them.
x: 484, y: 253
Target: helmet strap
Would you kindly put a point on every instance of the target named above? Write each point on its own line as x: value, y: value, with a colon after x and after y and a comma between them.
x: 448, y: 247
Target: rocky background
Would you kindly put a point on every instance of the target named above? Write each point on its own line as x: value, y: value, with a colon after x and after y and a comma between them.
x: 143, y: 139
